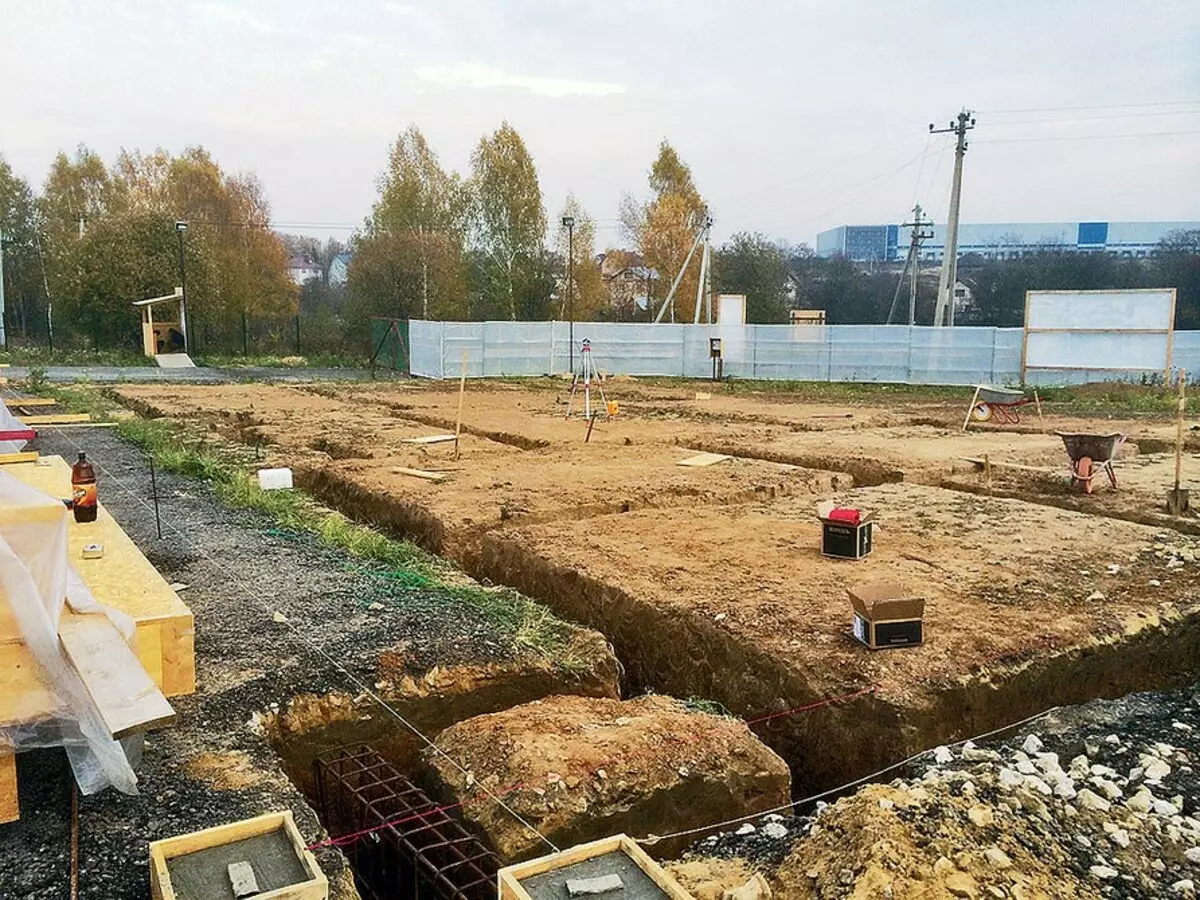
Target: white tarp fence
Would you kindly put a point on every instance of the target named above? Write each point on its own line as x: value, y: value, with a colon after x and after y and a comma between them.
x: 881, y: 353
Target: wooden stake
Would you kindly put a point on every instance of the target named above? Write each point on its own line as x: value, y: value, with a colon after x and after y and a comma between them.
x: 1179, y: 427
x: 462, y: 390
x: 971, y: 408
x: 1037, y: 401
x: 987, y: 470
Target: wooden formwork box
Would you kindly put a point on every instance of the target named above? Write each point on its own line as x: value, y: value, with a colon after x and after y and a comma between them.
x: 316, y: 888
x: 510, y: 878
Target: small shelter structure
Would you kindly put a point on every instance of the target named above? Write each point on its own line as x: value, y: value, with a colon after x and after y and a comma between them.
x: 164, y: 340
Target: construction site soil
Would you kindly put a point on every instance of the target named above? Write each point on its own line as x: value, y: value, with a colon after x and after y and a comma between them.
x: 273, y: 691
x: 707, y: 581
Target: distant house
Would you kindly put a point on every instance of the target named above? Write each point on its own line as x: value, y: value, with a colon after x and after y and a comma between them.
x: 302, y: 270
x: 627, y: 278
x: 339, y: 270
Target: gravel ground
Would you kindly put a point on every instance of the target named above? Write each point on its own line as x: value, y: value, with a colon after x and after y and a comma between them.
x: 1106, y: 795
x: 246, y: 661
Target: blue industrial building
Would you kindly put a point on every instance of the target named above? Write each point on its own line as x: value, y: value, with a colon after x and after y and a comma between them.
x: 1006, y: 240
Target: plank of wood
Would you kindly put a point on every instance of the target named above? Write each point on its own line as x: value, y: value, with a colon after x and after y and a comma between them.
x: 124, y: 580
x: 10, y: 808
x: 420, y: 473
x: 127, y: 699
x: 703, y: 459
x: 55, y: 419
x: 22, y: 457
x: 980, y: 463
x: 29, y: 402
x: 429, y: 439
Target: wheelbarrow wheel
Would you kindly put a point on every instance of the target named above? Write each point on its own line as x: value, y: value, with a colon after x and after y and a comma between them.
x: 1083, y: 471
x: 981, y: 412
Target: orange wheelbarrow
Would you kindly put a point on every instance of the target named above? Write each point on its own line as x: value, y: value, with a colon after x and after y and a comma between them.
x: 1089, y: 454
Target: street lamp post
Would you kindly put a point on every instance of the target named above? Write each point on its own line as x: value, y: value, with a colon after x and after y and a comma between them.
x: 569, y: 222
x: 180, y: 228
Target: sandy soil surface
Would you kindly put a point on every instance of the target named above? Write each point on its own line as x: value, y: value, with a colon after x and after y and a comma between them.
x: 1000, y: 577
x: 579, y: 769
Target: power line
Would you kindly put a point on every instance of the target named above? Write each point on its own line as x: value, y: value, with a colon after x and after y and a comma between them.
x: 1093, y: 106
x: 1086, y: 137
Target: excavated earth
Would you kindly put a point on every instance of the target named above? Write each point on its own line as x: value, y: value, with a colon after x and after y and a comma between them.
x: 1100, y: 800
x: 580, y: 769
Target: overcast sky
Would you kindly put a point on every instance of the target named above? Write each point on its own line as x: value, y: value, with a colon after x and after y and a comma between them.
x: 794, y: 116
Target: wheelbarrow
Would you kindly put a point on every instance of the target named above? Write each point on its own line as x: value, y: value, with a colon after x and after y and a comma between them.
x: 1090, y: 453
x: 995, y: 403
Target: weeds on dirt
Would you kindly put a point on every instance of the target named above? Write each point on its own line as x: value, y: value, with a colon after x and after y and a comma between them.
x: 531, y: 626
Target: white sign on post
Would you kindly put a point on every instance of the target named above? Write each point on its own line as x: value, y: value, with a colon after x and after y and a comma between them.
x: 1073, y: 336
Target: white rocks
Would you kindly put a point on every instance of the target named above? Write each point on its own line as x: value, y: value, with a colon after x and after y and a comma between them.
x: 1193, y: 855
x: 1109, y: 789
x: 980, y: 816
x: 1104, y: 873
x: 1112, y: 739
x: 1009, y: 779
x: 1141, y: 802
x: 1165, y: 808
x: 775, y: 830
x: 1038, y: 785
x: 1181, y: 726
x: 1155, y: 769
x: 1088, y: 799
x: 978, y: 754
x: 1094, y: 597
x: 1079, y: 768
x: 1032, y: 744
x: 1120, y: 837
x: 997, y: 857
x: 1025, y: 767
x: 943, y: 755
x: 1103, y: 771
x: 885, y: 803
x: 1184, y: 886
x: 747, y: 828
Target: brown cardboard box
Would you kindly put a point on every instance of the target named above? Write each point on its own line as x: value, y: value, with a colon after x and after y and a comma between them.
x: 887, y: 615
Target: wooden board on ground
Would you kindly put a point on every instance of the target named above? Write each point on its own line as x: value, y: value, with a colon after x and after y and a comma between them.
x: 316, y: 887
x: 126, y: 581
x: 704, y: 459
x: 997, y: 464
x: 127, y: 699
x: 29, y: 402
x: 10, y: 807
x: 55, y: 419
x: 428, y: 439
x: 420, y: 473
x: 509, y: 879
x: 19, y: 457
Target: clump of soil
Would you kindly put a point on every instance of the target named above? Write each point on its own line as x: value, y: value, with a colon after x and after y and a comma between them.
x: 579, y: 769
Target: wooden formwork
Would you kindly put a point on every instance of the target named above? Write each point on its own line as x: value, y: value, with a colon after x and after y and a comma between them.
x: 315, y: 888
x: 510, y: 878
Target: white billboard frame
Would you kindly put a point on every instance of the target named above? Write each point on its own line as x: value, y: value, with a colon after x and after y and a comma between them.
x: 1167, y: 330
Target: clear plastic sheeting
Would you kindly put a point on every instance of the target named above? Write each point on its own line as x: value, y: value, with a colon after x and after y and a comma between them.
x: 9, y: 422
x: 35, y: 581
x: 880, y: 353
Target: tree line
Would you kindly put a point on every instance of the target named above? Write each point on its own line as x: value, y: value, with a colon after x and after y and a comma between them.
x: 440, y: 244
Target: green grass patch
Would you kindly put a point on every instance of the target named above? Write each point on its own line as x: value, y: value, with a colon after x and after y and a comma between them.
x: 269, y: 361
x: 530, y: 626
x: 41, y: 356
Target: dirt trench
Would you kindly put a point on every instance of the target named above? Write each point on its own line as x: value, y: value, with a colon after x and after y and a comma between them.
x: 685, y: 655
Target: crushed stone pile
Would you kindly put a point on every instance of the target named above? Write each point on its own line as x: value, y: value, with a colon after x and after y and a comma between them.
x: 1100, y: 800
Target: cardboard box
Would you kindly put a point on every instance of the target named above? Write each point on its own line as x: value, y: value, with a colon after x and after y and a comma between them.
x: 886, y: 615
x: 844, y: 541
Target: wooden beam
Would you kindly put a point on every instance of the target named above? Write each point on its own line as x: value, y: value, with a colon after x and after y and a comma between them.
x: 127, y: 699
x: 22, y: 457
x: 986, y: 463
x: 704, y: 459
x: 420, y: 473
x: 429, y: 439
x: 10, y: 807
x: 30, y: 402
x: 55, y: 419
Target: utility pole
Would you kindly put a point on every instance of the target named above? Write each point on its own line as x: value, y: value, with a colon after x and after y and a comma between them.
x: 919, y: 234
x: 963, y: 123
x: 912, y: 263
x: 569, y: 221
